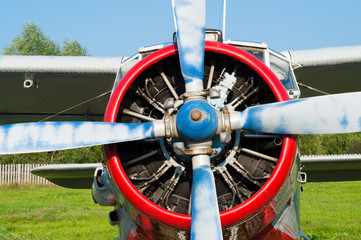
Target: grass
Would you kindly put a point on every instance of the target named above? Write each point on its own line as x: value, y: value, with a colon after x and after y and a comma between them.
x: 328, y: 211
x: 331, y: 210
x: 52, y: 213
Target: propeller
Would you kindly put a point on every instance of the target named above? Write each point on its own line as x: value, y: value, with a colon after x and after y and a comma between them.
x: 318, y: 115
x: 52, y: 136
x: 326, y: 114
x: 205, y: 222
x: 189, y: 18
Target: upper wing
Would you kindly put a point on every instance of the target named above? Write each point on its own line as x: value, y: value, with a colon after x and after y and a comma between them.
x: 36, y: 87
x: 59, y: 83
x: 332, y: 70
x: 332, y: 167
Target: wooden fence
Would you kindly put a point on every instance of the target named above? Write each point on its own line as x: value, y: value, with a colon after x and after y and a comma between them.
x: 21, y: 174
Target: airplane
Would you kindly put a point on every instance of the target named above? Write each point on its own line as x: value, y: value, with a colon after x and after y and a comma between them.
x: 199, y: 135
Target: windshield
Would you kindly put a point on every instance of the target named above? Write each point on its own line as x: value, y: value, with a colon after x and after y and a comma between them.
x: 282, y: 69
x: 257, y: 54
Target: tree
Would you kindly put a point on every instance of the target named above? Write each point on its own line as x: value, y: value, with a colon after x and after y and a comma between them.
x: 32, y: 41
x: 330, y: 144
x: 73, y: 48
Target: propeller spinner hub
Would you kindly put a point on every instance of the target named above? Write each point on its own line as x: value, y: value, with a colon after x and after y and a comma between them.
x: 197, y: 121
x: 196, y: 115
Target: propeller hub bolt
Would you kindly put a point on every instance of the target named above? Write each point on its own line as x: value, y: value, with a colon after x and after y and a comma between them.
x: 196, y: 115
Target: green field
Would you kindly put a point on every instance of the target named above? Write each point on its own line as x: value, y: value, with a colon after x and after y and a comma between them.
x: 329, y: 211
x: 52, y: 213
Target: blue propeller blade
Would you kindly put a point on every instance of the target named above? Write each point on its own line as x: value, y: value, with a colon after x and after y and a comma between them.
x: 51, y: 136
x: 190, y: 20
x: 339, y: 113
x: 205, y: 222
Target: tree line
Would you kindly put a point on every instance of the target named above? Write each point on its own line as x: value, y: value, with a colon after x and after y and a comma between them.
x: 33, y: 41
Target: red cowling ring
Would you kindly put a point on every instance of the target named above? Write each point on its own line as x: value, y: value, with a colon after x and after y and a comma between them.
x: 237, y: 214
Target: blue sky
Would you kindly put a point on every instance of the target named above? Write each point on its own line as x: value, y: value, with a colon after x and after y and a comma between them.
x: 119, y: 28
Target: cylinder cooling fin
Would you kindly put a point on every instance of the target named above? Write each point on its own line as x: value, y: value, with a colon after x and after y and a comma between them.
x: 156, y: 175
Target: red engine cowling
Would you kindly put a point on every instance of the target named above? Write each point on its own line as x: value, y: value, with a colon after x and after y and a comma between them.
x: 154, y: 177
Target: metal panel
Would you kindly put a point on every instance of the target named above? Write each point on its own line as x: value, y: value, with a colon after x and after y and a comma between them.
x: 78, y: 176
x: 325, y: 56
x: 331, y: 168
x: 60, y: 64
x: 332, y: 70
x: 52, y: 93
x: 331, y: 79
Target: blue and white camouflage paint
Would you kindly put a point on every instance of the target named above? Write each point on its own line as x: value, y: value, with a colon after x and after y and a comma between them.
x: 52, y: 136
x: 205, y: 222
x: 190, y: 20
x: 337, y: 113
